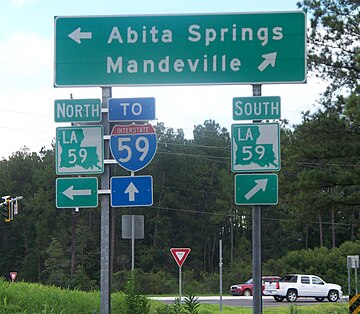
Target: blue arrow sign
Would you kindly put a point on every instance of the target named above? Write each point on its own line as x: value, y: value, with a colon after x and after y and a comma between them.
x: 131, y: 109
x: 133, y: 146
x: 131, y: 191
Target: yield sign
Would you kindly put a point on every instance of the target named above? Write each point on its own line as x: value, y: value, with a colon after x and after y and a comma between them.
x: 180, y: 255
x: 13, y: 275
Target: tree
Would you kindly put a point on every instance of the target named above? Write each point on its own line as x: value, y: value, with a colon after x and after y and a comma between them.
x: 334, y: 42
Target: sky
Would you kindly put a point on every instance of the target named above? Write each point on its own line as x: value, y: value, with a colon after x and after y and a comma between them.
x: 27, y: 91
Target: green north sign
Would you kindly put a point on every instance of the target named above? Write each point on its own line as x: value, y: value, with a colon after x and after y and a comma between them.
x: 256, y: 108
x: 255, y: 147
x: 76, y: 192
x: 79, y: 150
x: 230, y: 48
x: 256, y: 189
x: 77, y: 110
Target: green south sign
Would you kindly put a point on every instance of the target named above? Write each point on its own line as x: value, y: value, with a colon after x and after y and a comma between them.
x: 256, y: 189
x: 231, y: 48
x: 256, y: 108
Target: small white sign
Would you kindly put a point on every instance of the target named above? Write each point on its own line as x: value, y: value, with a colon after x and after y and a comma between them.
x: 353, y: 261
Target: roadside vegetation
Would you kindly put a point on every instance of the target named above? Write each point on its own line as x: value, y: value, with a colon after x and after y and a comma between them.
x: 21, y: 297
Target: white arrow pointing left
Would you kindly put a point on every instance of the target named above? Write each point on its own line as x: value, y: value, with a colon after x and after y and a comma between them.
x: 77, y: 35
x: 131, y: 189
x: 260, y: 185
x: 70, y: 192
x: 269, y: 59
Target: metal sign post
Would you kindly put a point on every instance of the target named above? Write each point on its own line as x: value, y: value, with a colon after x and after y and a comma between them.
x: 105, y: 296
x: 256, y: 245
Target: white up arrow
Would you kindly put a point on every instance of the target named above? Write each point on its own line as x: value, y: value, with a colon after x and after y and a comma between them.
x: 260, y: 185
x: 131, y: 189
x: 269, y: 59
x: 77, y: 35
x: 70, y: 192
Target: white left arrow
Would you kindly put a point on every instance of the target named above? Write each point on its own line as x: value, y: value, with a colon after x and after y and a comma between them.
x: 77, y: 35
x: 131, y: 189
x: 269, y: 59
x: 260, y: 185
x: 70, y: 192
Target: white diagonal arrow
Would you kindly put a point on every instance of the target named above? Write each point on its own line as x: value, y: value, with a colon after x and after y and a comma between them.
x: 131, y: 189
x: 77, y: 35
x: 70, y: 192
x: 260, y: 185
x: 269, y: 59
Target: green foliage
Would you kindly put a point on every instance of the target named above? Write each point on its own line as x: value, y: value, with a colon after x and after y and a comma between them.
x: 334, y: 41
x: 134, y: 303
x: 191, y: 304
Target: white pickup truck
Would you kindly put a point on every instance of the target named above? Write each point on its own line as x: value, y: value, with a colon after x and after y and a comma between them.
x: 293, y: 286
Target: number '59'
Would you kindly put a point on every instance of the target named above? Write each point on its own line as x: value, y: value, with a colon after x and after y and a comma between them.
x: 141, y: 145
x: 248, y: 152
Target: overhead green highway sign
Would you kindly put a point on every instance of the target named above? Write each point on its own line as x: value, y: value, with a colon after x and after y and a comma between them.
x: 230, y: 48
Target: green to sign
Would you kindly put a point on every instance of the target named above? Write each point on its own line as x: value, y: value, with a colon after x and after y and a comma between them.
x: 77, y: 110
x: 76, y: 192
x: 256, y: 108
x: 255, y: 147
x: 230, y: 48
x: 256, y: 189
x: 79, y: 150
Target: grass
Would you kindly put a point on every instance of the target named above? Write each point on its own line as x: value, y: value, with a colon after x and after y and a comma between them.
x: 31, y: 298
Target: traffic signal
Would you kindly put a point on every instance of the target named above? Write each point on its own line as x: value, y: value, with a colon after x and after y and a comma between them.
x: 6, y: 210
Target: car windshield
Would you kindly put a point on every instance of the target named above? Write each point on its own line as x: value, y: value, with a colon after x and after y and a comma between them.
x: 250, y: 281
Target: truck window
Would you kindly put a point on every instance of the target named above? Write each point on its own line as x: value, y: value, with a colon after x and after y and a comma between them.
x: 289, y: 278
x: 317, y: 281
x: 305, y: 280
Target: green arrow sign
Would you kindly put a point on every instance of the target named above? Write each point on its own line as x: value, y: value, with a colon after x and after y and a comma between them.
x: 255, y: 147
x: 256, y: 108
x: 189, y: 49
x: 256, y: 189
x: 79, y: 150
x: 77, y: 110
x: 76, y: 192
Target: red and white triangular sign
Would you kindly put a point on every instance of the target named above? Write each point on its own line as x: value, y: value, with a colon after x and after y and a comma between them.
x: 180, y: 255
x: 13, y: 275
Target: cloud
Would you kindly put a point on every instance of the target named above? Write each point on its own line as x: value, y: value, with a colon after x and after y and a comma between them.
x: 22, y: 3
x: 25, y: 54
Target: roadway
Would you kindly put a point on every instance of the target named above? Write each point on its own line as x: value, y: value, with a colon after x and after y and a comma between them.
x: 246, y: 301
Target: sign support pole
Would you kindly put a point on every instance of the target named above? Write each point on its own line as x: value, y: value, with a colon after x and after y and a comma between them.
x: 180, y: 284
x: 256, y: 244
x: 220, y: 269
x: 132, y: 242
x: 105, y: 296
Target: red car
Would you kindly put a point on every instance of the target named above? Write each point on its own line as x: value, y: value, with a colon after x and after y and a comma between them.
x: 246, y: 289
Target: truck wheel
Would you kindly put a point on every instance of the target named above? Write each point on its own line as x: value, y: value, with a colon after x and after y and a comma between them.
x: 278, y: 299
x: 333, y: 296
x: 291, y: 295
x: 247, y: 293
